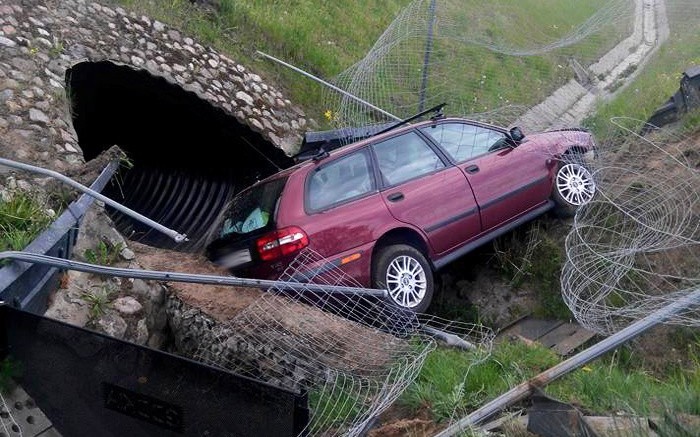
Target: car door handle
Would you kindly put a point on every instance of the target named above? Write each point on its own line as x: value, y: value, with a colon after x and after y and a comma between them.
x: 394, y: 197
x: 471, y: 169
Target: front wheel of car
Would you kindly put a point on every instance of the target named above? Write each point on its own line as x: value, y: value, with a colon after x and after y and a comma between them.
x: 573, y: 186
x: 406, y: 274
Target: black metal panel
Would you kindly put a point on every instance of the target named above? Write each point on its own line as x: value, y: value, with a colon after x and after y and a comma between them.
x: 90, y: 384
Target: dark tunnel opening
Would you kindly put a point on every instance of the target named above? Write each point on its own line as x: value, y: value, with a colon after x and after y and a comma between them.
x: 189, y: 157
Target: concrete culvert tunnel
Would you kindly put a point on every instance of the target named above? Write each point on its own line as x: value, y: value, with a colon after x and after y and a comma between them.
x: 189, y: 157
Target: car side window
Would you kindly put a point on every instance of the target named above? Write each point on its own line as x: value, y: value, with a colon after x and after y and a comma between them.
x: 341, y: 180
x: 465, y: 141
x: 405, y: 157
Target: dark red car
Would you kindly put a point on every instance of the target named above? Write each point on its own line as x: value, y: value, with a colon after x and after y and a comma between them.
x: 392, y: 209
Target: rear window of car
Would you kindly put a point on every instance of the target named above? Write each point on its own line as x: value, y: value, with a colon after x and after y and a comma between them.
x: 253, y: 209
x: 342, y: 180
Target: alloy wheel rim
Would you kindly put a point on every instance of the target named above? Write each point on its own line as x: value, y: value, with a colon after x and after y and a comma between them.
x: 575, y: 184
x: 406, y: 281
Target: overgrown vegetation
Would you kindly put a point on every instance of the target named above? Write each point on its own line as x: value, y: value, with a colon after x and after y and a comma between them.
x: 97, y: 299
x: 532, y: 256
x: 22, y: 217
x: 616, y: 384
x: 105, y: 253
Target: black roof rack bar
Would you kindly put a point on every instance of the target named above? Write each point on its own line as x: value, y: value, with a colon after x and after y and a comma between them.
x: 437, y: 109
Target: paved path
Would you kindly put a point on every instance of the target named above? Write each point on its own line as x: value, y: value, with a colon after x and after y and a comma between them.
x: 560, y: 336
x: 571, y: 103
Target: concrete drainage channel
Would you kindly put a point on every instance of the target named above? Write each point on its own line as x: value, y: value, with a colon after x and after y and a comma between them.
x: 568, y: 105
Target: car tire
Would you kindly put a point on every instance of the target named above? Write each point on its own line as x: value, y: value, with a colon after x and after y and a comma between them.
x: 405, y: 273
x: 573, y: 186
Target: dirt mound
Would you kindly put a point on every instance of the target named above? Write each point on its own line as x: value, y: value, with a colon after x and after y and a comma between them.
x: 219, y: 301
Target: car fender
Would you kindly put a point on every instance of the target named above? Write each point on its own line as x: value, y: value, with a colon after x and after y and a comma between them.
x: 394, y: 235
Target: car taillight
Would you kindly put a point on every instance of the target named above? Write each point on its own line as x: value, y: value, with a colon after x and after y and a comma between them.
x: 282, y: 242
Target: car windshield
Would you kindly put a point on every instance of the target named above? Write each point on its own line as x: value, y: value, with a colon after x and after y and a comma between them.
x: 253, y: 209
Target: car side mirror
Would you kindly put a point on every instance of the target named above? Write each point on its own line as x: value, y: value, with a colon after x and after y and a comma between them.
x: 516, y: 134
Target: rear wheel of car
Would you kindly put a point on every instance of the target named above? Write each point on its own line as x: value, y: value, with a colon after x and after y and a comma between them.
x: 406, y: 274
x: 573, y: 186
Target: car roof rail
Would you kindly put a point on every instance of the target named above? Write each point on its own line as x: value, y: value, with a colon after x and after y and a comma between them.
x: 437, y: 109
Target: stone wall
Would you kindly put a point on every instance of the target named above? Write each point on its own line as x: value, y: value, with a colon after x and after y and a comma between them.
x: 40, y: 39
x: 130, y: 309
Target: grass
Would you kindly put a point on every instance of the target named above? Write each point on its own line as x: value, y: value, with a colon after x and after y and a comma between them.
x: 532, y: 257
x: 450, y: 382
x: 97, y: 299
x: 333, y: 404
x: 307, y: 33
x: 659, y: 79
x: 105, y: 253
x: 22, y: 218
x: 303, y: 32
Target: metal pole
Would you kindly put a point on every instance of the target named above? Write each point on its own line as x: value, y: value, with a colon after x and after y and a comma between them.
x: 330, y: 85
x: 525, y: 389
x: 426, y: 58
x: 193, y: 278
x: 178, y: 237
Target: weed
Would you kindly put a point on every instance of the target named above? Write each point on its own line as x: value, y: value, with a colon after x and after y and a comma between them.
x: 124, y: 160
x: 615, y: 85
x: 105, y: 253
x: 531, y: 256
x: 514, y: 254
x: 9, y: 369
x: 629, y: 70
x: 97, y: 299
x: 22, y: 218
x: 56, y: 48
